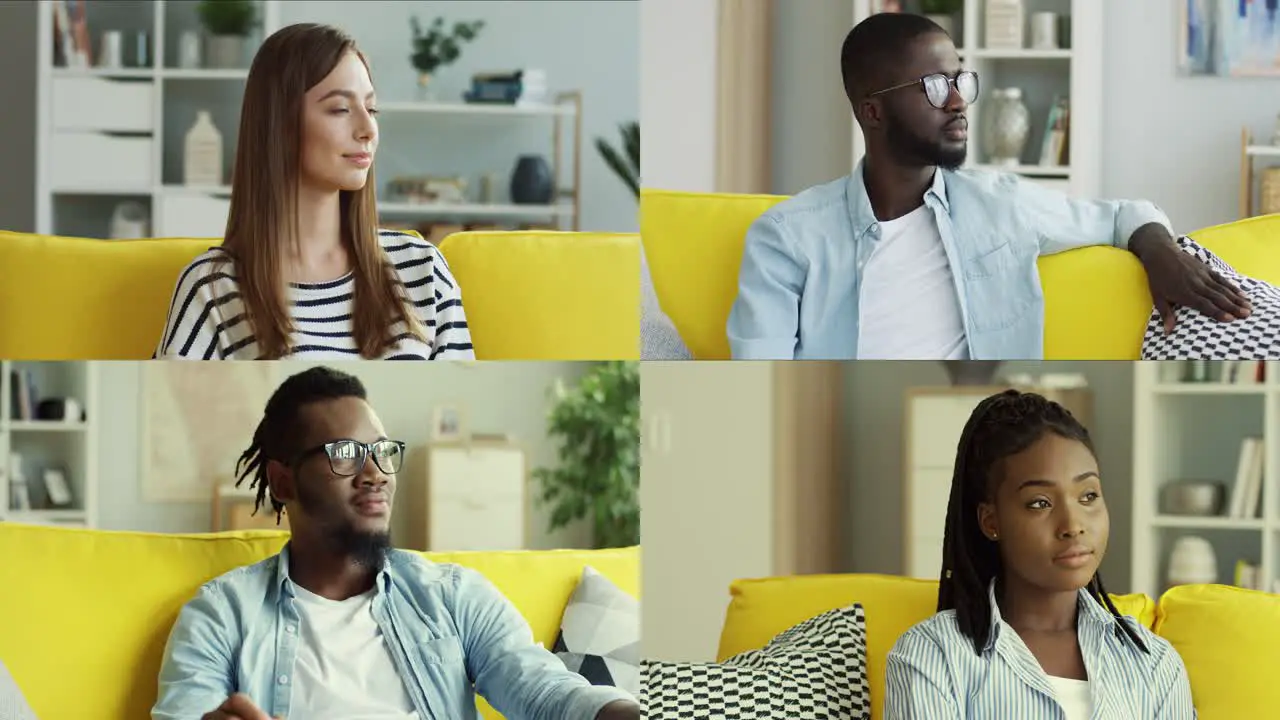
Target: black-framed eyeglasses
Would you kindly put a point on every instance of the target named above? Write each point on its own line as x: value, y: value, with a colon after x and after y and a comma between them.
x: 347, y: 457
x: 937, y: 87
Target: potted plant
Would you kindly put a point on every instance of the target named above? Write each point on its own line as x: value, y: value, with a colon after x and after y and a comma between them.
x: 597, y: 478
x: 624, y: 162
x: 943, y: 12
x: 438, y: 47
x: 227, y: 24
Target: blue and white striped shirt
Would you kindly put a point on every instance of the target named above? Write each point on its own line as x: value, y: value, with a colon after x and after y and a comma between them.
x: 933, y: 672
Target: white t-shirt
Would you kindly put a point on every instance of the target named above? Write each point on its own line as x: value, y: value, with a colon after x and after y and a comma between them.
x: 1073, y: 696
x: 908, y: 306
x: 344, y: 670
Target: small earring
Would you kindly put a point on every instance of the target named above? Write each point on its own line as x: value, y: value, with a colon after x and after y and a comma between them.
x: 995, y: 536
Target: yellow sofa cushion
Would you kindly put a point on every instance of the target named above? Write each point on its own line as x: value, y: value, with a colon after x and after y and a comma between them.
x: 87, y: 613
x: 1096, y: 299
x: 760, y: 609
x: 529, y: 295
x: 1229, y: 639
x: 549, y: 296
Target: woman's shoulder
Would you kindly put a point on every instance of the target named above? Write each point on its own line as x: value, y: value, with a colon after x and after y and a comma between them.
x: 401, y: 245
x: 211, y: 265
x: 939, y: 630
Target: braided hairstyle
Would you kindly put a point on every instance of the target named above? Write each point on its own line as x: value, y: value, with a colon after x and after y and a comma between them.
x: 279, y: 432
x: 1002, y: 425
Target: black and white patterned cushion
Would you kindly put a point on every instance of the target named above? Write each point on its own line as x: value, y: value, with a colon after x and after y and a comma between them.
x: 816, y: 670
x: 600, y: 633
x: 1197, y: 336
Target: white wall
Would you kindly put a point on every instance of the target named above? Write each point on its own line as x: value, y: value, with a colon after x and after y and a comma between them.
x: 496, y: 397
x: 678, y: 94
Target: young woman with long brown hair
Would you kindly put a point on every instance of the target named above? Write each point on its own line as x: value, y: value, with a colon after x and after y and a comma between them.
x: 304, y: 271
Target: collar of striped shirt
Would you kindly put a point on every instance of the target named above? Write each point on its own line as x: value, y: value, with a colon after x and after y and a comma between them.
x: 1091, y: 611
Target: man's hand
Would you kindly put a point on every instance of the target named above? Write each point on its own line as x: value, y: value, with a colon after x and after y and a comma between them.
x: 1176, y: 278
x: 619, y: 710
x: 239, y: 707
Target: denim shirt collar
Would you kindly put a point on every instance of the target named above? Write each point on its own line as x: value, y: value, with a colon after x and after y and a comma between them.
x: 1091, y: 612
x: 284, y: 583
x: 860, y: 212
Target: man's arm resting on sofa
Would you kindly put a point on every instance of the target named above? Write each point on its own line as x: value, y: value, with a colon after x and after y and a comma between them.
x: 1062, y: 222
x: 520, y: 678
x: 765, y: 319
x: 195, y: 675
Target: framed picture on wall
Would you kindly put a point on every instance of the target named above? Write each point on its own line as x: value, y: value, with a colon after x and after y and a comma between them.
x: 1228, y: 38
x: 448, y: 424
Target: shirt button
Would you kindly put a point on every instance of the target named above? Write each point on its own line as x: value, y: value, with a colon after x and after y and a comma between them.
x: 288, y: 629
x: 284, y: 679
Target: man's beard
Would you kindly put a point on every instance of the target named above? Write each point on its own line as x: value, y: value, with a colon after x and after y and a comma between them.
x: 367, y: 548
x: 911, y: 149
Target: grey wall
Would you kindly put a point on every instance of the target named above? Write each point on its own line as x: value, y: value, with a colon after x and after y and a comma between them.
x: 874, y: 393
x: 17, y: 116
x: 496, y: 397
x: 1168, y: 139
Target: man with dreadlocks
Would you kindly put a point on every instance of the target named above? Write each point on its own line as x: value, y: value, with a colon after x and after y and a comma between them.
x: 1025, y: 628
x: 339, y: 625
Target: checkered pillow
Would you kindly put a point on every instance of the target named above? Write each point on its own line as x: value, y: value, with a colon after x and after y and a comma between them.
x: 817, y: 670
x: 1197, y: 336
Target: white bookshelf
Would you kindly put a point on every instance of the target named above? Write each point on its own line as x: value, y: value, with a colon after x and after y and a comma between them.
x: 111, y: 135
x: 1192, y: 431
x: 1075, y: 72
x: 66, y: 445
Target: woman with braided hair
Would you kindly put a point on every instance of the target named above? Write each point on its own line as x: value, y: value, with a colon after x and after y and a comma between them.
x: 1025, y: 628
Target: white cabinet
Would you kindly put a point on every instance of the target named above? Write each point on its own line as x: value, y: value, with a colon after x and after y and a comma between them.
x: 183, y: 215
x: 92, y: 162
x: 103, y: 105
x: 476, y: 497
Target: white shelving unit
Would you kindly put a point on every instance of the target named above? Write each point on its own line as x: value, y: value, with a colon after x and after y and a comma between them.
x: 1192, y: 431
x: 1075, y: 72
x: 108, y: 135
x: 1251, y: 154
x: 69, y: 446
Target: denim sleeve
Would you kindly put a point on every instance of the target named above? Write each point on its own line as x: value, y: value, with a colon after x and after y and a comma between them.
x: 1062, y: 222
x: 195, y: 675
x: 519, y: 678
x: 764, y: 321
x: 918, y: 683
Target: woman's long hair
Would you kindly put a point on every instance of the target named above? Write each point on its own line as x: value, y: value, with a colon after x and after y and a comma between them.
x: 263, y: 220
x: 1002, y: 425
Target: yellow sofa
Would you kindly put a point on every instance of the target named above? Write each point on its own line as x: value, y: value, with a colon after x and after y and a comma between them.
x: 1096, y: 299
x: 84, y: 614
x: 1228, y: 638
x: 529, y: 295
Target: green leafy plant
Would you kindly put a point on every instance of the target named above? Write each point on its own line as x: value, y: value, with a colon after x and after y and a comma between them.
x: 437, y: 47
x: 228, y: 17
x: 941, y: 7
x: 597, y: 477
x: 624, y: 162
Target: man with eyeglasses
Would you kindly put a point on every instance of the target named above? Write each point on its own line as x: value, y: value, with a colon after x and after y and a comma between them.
x: 339, y: 625
x: 911, y: 258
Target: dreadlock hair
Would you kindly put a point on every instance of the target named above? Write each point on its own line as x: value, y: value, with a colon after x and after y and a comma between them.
x: 1002, y: 425
x: 877, y: 45
x: 279, y: 434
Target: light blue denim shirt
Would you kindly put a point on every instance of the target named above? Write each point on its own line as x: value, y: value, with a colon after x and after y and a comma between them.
x: 933, y: 673
x: 451, y: 633
x: 801, y: 275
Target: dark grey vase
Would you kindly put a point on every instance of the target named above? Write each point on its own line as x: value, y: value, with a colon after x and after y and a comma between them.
x: 531, y: 181
x: 971, y: 372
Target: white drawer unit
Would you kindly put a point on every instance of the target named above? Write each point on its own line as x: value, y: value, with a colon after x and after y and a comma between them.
x: 97, y: 162
x: 191, y: 215
x: 101, y: 104
x: 475, y: 497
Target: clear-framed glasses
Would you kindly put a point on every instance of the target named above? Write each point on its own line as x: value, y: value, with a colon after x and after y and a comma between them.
x: 937, y: 87
x: 347, y: 457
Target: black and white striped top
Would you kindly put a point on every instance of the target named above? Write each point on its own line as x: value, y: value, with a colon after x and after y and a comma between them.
x: 207, y: 319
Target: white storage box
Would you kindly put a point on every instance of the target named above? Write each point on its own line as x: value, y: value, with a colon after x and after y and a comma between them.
x: 185, y: 214
x: 85, y: 103
x: 96, y: 162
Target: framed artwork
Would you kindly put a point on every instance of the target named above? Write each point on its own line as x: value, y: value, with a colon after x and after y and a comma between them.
x: 448, y: 424
x: 1229, y: 38
x: 195, y: 420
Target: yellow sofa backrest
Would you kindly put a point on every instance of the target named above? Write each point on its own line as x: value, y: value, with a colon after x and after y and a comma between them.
x: 529, y: 295
x: 1096, y: 299
x: 84, y: 614
x: 1226, y: 636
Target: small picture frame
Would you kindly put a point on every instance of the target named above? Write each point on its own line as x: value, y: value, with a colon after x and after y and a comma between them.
x: 448, y: 424
x: 56, y: 488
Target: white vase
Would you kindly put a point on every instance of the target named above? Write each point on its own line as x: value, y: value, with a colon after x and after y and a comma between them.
x: 1007, y: 125
x: 202, y: 156
x: 224, y: 51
